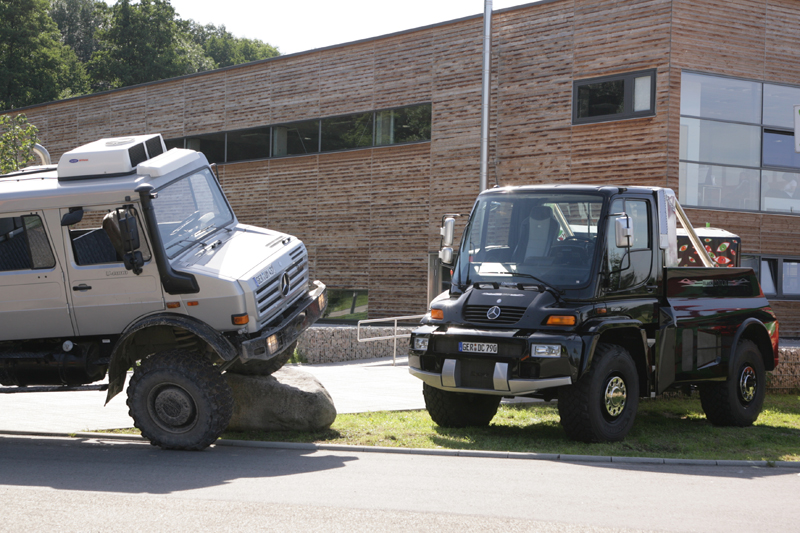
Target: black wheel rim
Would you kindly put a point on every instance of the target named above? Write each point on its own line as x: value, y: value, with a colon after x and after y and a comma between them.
x: 748, y: 384
x: 615, y: 397
x: 172, y: 408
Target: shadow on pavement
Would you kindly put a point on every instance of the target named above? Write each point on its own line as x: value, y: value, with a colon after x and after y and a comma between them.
x: 139, y: 468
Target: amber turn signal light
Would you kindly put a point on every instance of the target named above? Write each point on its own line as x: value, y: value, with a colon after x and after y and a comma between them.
x: 437, y: 314
x: 240, y: 320
x: 173, y: 305
x: 561, y: 320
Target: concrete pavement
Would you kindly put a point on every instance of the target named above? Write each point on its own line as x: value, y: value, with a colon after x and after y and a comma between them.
x: 355, y: 386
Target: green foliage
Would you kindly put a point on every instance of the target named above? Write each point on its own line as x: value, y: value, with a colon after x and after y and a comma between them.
x: 78, y: 21
x: 17, y: 138
x: 53, y: 49
x: 34, y: 65
x: 139, y: 45
x: 225, y: 49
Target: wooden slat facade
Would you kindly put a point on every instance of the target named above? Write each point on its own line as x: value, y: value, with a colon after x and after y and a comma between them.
x: 370, y: 217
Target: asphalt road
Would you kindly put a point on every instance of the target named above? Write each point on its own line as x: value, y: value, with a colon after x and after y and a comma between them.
x: 61, y: 484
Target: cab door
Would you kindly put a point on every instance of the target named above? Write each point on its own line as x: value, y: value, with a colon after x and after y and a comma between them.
x: 105, y: 296
x: 33, y: 300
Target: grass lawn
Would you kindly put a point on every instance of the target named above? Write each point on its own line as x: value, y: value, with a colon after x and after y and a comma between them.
x: 675, y: 428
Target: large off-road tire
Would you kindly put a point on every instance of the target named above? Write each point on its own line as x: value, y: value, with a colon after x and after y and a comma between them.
x: 263, y: 368
x: 459, y: 409
x: 738, y: 400
x: 601, y: 406
x: 179, y: 400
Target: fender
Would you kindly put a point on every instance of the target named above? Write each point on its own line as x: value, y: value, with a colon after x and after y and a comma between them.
x: 126, y: 352
x: 627, y: 332
x: 762, y: 339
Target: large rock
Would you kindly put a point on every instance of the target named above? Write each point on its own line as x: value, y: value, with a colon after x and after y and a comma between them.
x: 289, y: 399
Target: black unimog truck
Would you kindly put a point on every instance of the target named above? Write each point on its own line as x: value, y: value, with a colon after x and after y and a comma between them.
x: 574, y: 293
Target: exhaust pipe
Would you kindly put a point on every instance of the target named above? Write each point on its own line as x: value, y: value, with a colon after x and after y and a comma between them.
x: 41, y: 154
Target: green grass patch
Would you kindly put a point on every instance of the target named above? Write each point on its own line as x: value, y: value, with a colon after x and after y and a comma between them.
x: 675, y: 428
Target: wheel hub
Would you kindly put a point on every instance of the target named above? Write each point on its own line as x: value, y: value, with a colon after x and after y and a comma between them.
x: 615, y: 396
x: 173, y: 408
x: 747, y: 384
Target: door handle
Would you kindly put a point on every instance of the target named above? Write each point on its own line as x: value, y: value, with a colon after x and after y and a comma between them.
x: 82, y: 287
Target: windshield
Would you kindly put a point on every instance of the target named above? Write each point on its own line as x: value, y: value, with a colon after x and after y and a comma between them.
x: 189, y: 209
x: 531, y: 238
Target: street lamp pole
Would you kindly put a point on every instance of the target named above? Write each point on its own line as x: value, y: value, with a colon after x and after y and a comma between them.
x: 485, y: 93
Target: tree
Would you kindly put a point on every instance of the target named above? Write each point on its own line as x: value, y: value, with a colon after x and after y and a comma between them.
x: 143, y: 43
x: 35, y: 66
x: 224, y: 48
x: 78, y: 20
x: 17, y: 138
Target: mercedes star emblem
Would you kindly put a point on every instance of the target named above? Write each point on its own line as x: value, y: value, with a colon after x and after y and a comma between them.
x: 285, y: 284
x: 493, y: 313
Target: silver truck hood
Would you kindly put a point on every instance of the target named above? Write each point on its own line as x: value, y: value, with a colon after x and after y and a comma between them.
x: 233, y: 254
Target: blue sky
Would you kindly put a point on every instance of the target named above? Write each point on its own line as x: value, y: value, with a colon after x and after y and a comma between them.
x: 299, y: 25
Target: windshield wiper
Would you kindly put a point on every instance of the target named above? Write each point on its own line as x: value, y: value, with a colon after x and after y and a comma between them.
x: 543, y: 285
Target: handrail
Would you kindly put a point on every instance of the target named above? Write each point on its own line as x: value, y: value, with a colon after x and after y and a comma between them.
x: 395, y: 336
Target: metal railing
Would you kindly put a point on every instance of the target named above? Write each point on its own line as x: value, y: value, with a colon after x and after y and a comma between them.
x: 394, y: 336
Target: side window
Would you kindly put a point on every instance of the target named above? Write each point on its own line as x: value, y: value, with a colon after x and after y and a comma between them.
x: 630, y: 268
x: 91, y: 244
x: 24, y: 244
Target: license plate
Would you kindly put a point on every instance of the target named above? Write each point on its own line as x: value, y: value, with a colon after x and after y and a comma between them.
x: 477, y: 347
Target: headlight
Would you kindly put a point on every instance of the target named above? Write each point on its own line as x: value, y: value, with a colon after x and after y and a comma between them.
x: 421, y: 343
x: 272, y: 344
x: 321, y: 301
x: 545, y: 350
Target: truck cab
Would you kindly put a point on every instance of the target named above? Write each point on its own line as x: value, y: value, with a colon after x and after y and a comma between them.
x: 126, y: 255
x: 575, y: 293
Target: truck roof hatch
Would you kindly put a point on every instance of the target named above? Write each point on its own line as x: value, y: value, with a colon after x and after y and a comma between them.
x: 107, y: 158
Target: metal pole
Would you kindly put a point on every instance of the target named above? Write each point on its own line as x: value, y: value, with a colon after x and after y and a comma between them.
x: 487, y: 75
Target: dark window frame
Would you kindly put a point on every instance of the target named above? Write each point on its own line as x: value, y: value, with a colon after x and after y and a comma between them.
x: 628, y: 93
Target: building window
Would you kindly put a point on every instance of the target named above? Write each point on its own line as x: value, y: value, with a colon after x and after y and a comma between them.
x: 779, y: 276
x: 629, y: 95
x: 407, y: 124
x: 248, y: 144
x: 345, y: 132
x: 212, y: 146
x: 737, y: 145
x: 295, y: 139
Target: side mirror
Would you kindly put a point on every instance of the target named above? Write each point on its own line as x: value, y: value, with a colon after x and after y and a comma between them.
x: 74, y: 216
x: 129, y: 235
x: 446, y: 255
x: 130, y: 231
x: 447, y: 232
x: 624, y: 232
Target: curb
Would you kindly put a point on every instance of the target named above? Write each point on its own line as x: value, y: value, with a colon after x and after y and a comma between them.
x: 307, y: 446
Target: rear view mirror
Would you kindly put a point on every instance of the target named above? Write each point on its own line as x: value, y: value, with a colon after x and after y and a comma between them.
x: 129, y: 230
x: 74, y: 216
x: 447, y: 231
x: 624, y: 232
x: 446, y: 255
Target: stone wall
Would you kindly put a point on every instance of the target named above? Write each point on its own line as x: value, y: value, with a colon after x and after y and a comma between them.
x: 334, y: 344
x: 786, y: 377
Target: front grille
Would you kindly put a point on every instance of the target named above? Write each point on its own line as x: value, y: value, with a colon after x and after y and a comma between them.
x: 270, y: 300
x: 508, y: 314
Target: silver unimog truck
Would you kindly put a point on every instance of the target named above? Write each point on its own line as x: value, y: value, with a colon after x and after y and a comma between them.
x: 126, y: 255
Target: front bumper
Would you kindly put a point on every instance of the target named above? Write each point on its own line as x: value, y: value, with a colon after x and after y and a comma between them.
x: 449, y: 380
x: 271, y: 341
x: 513, y: 370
